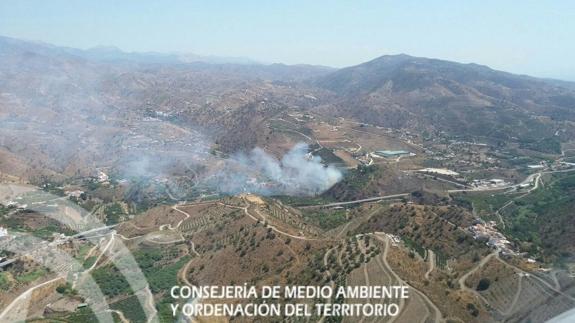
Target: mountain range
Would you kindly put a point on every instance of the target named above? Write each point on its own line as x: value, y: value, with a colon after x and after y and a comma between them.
x: 232, y: 102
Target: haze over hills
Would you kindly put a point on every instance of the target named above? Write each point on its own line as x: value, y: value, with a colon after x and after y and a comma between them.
x: 111, y: 54
x: 231, y: 102
x: 455, y: 179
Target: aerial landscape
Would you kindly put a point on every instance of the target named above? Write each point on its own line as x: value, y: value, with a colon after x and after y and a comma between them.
x: 126, y: 173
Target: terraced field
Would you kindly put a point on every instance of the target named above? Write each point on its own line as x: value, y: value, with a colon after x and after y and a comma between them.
x: 515, y: 295
x: 377, y: 272
x: 537, y: 303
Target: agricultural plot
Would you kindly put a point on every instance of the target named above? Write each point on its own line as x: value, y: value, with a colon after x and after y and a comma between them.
x: 340, y: 144
x: 355, y: 278
x: 501, y: 294
x: 375, y: 272
x: 347, y: 158
x: 209, y: 217
x: 415, y: 311
x: 196, y: 224
x: 131, y: 309
x: 441, y: 260
x: 566, y: 282
x: 289, y: 216
x: 326, y: 219
x: 328, y: 157
x: 414, y: 246
x: 514, y: 295
x: 549, y: 309
x: 538, y: 303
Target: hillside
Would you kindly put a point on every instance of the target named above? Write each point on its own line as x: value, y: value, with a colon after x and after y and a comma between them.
x: 467, y: 100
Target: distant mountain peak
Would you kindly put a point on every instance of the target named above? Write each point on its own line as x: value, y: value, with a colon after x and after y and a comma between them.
x: 105, y: 48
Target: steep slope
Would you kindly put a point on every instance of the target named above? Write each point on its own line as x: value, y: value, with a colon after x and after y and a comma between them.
x: 410, y: 92
x: 65, y: 108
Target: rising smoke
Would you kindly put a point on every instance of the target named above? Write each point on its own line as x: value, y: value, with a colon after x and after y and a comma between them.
x: 297, y: 173
x: 62, y: 124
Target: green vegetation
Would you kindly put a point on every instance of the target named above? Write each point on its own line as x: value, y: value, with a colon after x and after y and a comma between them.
x: 326, y: 219
x: 89, y: 262
x: 516, y: 160
x: 550, y: 145
x: 16, y: 222
x: 539, y: 221
x: 52, y: 187
x: 66, y: 289
x: 160, y: 278
x: 111, y: 281
x: 5, y: 283
x: 357, y: 183
x: 472, y: 309
x: 542, y: 220
x: 159, y: 266
x: 92, y: 184
x: 13, y: 223
x: 131, y: 309
x: 47, y: 231
x: 483, y: 204
x: 328, y: 157
x: 440, y: 260
x: 83, y: 251
x: 483, y: 284
x: 113, y: 213
x: 31, y: 276
x: 362, y: 174
x: 414, y: 246
x: 5, y: 210
x: 84, y: 315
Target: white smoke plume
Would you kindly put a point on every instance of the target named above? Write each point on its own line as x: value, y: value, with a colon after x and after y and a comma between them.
x: 297, y: 173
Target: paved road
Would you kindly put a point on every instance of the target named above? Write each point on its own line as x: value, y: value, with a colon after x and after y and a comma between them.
x: 93, y: 230
x: 529, y: 179
x: 369, y: 199
x: 535, y: 177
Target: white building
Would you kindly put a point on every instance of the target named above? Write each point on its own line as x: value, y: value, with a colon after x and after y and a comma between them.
x: 102, y: 177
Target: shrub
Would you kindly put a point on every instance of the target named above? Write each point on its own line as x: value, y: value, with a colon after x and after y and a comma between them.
x: 483, y: 284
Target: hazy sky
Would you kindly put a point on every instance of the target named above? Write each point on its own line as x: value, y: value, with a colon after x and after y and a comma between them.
x: 529, y: 37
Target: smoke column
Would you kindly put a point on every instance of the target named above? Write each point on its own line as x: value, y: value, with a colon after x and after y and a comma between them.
x: 297, y: 173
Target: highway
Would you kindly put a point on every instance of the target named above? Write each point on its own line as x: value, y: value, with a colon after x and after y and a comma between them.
x: 369, y: 199
x: 529, y: 179
x: 85, y: 233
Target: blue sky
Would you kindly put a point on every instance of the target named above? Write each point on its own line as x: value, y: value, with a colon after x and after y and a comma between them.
x: 528, y: 37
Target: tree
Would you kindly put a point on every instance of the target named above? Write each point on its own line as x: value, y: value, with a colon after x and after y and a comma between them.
x: 472, y: 309
x: 483, y: 284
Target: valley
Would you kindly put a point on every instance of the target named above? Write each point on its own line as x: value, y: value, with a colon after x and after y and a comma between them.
x: 121, y: 179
